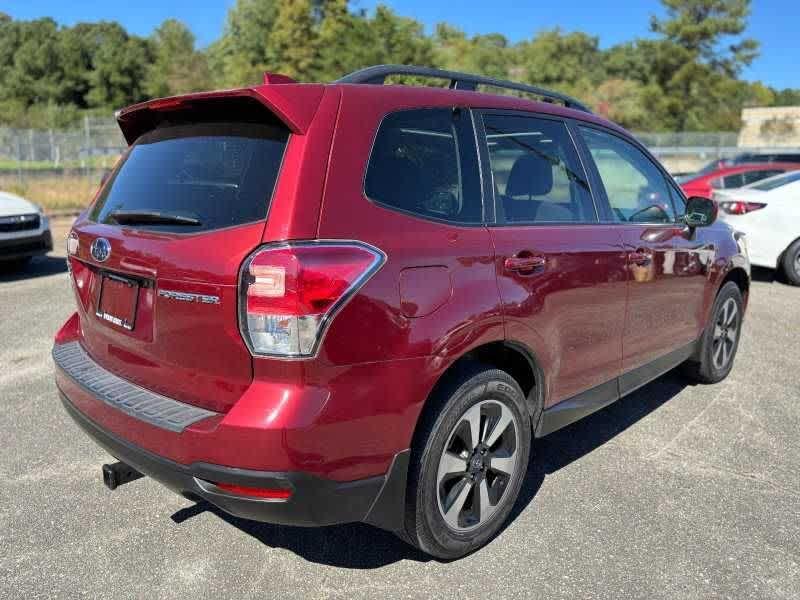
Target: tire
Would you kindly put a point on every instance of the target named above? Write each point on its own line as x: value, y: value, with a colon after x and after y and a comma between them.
x: 720, y: 340
x: 446, y: 491
x: 791, y: 264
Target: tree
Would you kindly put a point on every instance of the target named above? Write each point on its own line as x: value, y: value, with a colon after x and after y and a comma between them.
x: 622, y: 101
x: 30, y: 69
x: 293, y: 40
x: 685, y: 78
x: 695, y: 31
x: 118, y: 65
x: 343, y: 41
x: 399, y: 40
x: 570, y: 62
x: 488, y: 54
x: 699, y: 26
x: 177, y: 68
x: 787, y: 97
x: 242, y: 54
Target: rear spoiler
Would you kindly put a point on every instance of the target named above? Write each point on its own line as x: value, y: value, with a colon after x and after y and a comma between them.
x: 294, y: 104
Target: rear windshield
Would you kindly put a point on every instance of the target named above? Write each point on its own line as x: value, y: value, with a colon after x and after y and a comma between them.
x: 196, y: 177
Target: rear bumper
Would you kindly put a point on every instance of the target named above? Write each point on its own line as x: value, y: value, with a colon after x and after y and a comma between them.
x: 190, y: 449
x: 314, y: 501
x: 22, y: 247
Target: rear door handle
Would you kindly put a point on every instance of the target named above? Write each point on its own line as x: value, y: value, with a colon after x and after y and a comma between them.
x: 524, y: 263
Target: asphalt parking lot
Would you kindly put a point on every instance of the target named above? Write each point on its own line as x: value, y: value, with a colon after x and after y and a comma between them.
x: 674, y: 492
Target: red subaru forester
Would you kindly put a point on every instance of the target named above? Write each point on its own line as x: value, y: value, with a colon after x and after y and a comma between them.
x: 313, y: 304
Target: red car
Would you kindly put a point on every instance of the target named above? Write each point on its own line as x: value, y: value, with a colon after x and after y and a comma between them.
x: 734, y: 176
x: 317, y: 304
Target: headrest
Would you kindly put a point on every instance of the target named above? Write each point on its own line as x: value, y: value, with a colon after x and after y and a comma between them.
x: 531, y: 175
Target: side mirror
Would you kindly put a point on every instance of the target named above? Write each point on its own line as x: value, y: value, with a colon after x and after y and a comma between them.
x: 700, y: 212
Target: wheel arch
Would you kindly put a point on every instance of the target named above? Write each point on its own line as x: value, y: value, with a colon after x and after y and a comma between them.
x: 512, y: 357
x: 739, y: 276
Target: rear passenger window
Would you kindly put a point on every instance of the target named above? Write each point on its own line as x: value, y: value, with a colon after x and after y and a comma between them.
x: 537, y: 175
x: 637, y: 190
x: 753, y: 176
x: 425, y: 162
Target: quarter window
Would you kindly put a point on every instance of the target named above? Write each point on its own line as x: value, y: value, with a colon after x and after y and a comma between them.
x: 637, y: 190
x: 418, y: 166
x: 537, y: 175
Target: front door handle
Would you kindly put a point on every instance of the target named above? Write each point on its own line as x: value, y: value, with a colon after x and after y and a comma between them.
x: 641, y: 257
x: 524, y: 263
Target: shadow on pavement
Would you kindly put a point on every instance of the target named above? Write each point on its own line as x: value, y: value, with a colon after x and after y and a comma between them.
x: 359, y: 546
x: 765, y: 275
x: 38, y: 266
x: 353, y: 546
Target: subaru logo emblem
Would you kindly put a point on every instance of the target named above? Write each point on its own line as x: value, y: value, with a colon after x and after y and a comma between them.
x: 100, y: 249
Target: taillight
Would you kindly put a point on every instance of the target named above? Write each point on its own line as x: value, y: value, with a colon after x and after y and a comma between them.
x: 740, y: 208
x: 290, y: 293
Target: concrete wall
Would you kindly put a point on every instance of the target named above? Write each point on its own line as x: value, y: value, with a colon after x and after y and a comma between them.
x: 775, y: 127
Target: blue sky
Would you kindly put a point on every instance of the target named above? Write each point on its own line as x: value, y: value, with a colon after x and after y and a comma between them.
x: 773, y: 22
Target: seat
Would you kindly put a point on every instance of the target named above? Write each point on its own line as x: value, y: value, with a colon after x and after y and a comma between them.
x: 530, y: 176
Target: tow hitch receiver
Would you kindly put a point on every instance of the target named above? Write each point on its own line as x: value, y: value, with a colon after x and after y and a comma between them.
x: 118, y: 474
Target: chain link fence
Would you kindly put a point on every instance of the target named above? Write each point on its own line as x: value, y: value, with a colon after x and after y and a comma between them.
x: 59, y: 169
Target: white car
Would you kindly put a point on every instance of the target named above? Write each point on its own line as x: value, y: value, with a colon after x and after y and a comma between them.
x: 24, y: 230
x: 768, y: 213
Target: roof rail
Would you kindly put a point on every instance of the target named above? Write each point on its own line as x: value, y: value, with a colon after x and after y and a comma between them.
x: 458, y: 81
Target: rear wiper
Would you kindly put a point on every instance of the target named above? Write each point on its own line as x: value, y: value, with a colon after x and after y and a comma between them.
x: 151, y: 217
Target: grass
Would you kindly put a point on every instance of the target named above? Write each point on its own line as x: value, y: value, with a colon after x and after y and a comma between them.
x: 53, y: 193
x: 8, y: 166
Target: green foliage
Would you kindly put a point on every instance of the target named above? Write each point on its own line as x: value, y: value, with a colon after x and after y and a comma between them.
x: 786, y: 97
x: 699, y: 26
x: 293, y: 40
x: 241, y: 55
x: 177, y: 68
x: 488, y: 54
x: 684, y: 78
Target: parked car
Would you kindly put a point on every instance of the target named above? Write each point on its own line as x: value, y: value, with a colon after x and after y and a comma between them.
x: 768, y: 212
x: 24, y: 231
x: 789, y: 156
x: 741, y: 159
x: 314, y: 304
x: 734, y: 177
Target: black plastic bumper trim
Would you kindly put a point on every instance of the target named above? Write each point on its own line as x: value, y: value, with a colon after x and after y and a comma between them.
x: 123, y: 395
x: 573, y: 409
x: 28, y: 246
x: 315, y: 501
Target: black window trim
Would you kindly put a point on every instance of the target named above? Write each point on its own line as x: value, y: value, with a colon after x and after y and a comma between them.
x: 668, y: 179
x: 488, y: 185
x: 676, y: 189
x: 460, y: 138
